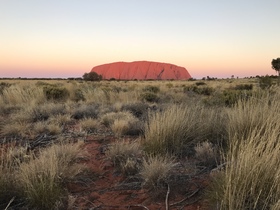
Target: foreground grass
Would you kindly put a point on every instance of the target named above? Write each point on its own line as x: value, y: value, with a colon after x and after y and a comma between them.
x: 38, y: 180
x: 211, y: 122
x: 251, y: 178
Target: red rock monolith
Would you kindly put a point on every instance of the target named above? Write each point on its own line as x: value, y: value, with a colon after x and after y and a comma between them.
x: 141, y: 70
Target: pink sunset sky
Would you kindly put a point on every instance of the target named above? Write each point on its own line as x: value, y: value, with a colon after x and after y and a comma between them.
x: 209, y: 38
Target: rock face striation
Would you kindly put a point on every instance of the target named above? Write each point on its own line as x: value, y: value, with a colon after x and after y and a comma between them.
x: 141, y: 70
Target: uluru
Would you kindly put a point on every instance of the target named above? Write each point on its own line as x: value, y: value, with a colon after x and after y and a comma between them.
x: 141, y: 70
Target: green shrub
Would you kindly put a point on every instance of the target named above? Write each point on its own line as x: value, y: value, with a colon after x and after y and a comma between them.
x: 169, y: 85
x: 231, y: 97
x: 55, y: 93
x: 151, y: 88
x: 149, y: 97
x: 86, y: 111
x: 199, y: 90
x: 92, y: 76
x: 265, y: 82
x: 138, y: 109
x: 78, y: 95
x: 200, y: 83
x: 244, y: 87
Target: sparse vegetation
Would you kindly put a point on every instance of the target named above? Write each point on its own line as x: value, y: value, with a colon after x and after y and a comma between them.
x: 143, y: 128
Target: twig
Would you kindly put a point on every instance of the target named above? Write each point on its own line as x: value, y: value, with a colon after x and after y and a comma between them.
x: 10, y: 203
x: 220, y: 166
x: 186, y: 198
x: 166, y: 198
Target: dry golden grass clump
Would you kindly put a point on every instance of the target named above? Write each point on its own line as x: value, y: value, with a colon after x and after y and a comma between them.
x: 37, y: 180
x: 126, y: 156
x: 251, y: 176
x: 89, y: 125
x: 155, y: 171
x: 46, y: 128
x: 176, y: 128
x: 122, y: 123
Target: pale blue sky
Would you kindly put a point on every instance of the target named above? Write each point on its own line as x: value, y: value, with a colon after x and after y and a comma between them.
x: 216, y: 38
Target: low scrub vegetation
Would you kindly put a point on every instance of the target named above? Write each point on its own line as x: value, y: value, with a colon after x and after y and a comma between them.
x: 37, y: 180
x: 228, y: 129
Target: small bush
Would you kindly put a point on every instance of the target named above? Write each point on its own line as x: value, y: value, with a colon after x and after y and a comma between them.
x: 149, y: 97
x: 126, y: 156
x: 199, y: 90
x: 120, y: 127
x: 89, y: 125
x: 86, y: 111
x: 46, y: 128
x: 155, y: 171
x: 15, y: 129
x: 42, y: 178
x: 109, y: 118
x: 55, y: 93
x: 151, y: 88
x: 78, y: 95
x: 138, y: 109
x: 231, y: 97
x: 175, y: 129
x: 200, y: 83
x: 136, y: 128
x: 244, y: 87
x: 265, y: 82
x: 169, y: 85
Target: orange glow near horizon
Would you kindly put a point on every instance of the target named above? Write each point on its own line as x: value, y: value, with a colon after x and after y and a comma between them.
x: 67, y: 39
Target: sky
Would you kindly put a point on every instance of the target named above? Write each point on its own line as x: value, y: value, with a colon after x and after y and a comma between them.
x: 217, y: 38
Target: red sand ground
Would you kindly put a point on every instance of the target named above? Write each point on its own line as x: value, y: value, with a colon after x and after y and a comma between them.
x: 110, y: 190
x: 142, y: 70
